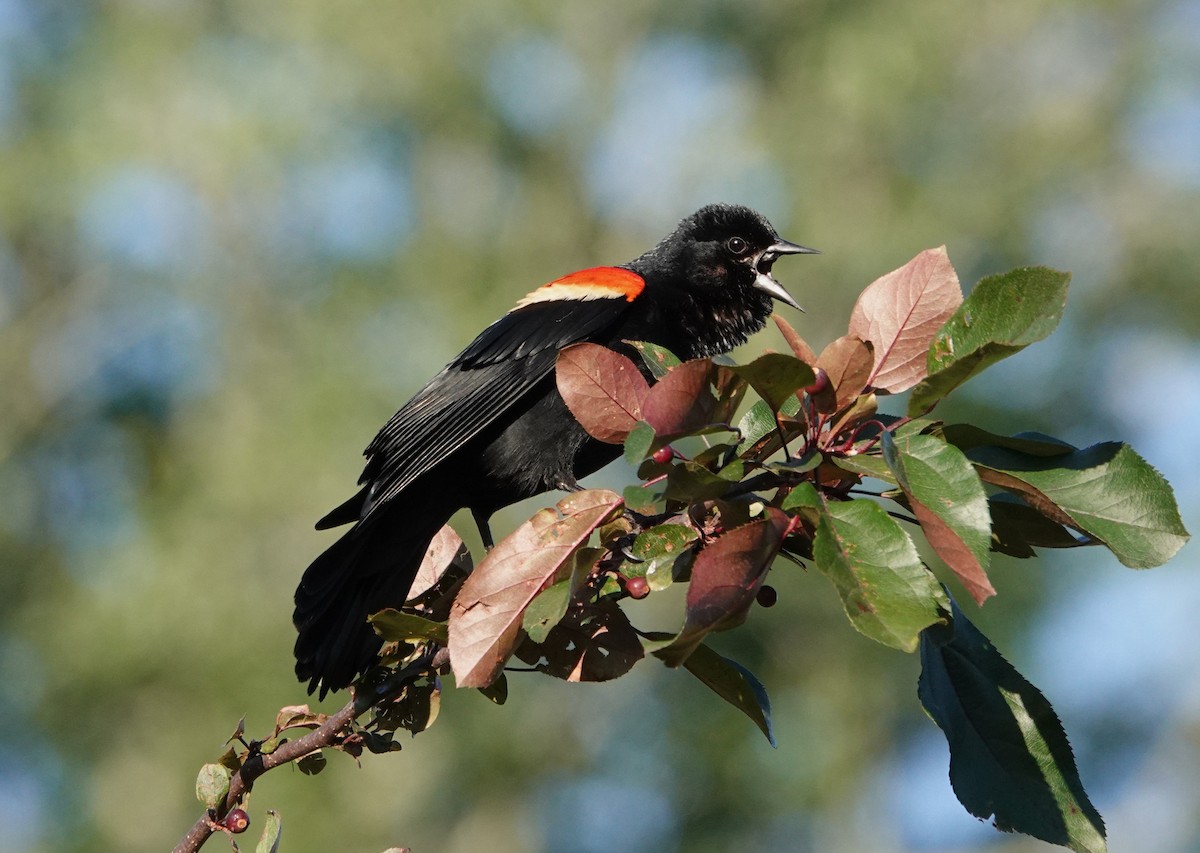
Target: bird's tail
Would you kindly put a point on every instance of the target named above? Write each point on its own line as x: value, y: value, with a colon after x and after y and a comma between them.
x: 371, y: 567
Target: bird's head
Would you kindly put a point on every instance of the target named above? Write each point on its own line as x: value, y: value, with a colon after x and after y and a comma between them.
x: 726, y: 251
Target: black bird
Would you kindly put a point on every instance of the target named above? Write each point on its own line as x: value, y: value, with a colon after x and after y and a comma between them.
x: 491, y: 429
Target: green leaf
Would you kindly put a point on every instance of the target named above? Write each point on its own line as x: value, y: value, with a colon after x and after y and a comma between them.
x: 735, y: 684
x: 775, y: 377
x: 690, y: 482
x: 966, y: 437
x: 888, y: 593
x: 658, y: 359
x: 312, y: 764
x: 947, y: 497
x: 1009, y: 755
x: 212, y: 785
x: 865, y: 465
x: 1017, y: 528
x: 659, y: 548
x: 1106, y: 490
x: 638, y: 443
x: 641, y: 498
x: 397, y: 627
x: 268, y: 842
x: 543, y: 612
x: 803, y: 496
x: 1003, y: 315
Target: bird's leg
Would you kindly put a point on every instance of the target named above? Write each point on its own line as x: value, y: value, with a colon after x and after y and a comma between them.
x: 485, y: 530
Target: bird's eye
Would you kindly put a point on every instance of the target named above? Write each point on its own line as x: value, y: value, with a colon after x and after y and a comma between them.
x: 737, y: 246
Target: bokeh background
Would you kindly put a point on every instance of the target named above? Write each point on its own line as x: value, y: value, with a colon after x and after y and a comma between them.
x: 235, y: 235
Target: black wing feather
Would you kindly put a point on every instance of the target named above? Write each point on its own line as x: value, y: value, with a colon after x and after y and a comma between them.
x: 503, y: 364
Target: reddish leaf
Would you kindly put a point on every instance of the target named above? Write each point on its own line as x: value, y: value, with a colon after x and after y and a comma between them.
x: 446, y: 548
x: 692, y: 395
x: 603, y: 389
x: 594, y: 642
x: 900, y: 313
x: 485, y: 622
x: 726, y: 576
x: 955, y: 552
x: 848, y: 362
x: 802, y: 350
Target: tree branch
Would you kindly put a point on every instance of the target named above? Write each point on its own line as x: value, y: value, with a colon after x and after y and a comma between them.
x: 326, y: 735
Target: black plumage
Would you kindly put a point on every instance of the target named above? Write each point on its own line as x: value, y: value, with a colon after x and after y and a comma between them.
x: 491, y: 429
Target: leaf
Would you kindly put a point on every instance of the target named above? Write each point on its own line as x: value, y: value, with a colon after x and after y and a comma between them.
x: 1017, y: 528
x: 212, y: 785
x: 594, y: 642
x: 397, y: 627
x: 238, y: 731
x: 268, y: 842
x: 1003, y: 315
x: 414, y: 710
x: 967, y: 436
x: 312, y: 764
x: 690, y: 481
x: 802, y: 350
x: 947, y: 497
x: 603, y: 389
x: 759, y: 421
x: 546, y: 609
x: 659, y: 548
x: 683, y: 403
x: 1105, y: 490
x: 638, y: 442
x: 776, y: 377
x: 1009, y: 755
x: 485, y: 621
x: 297, y: 717
x: 899, y: 314
x: 657, y: 359
x: 726, y: 576
x: 848, y: 362
x: 887, y: 592
x: 735, y: 684
x: 865, y: 465
x: 445, y: 550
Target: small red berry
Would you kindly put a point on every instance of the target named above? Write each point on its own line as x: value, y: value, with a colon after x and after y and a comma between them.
x: 820, y: 383
x: 637, y: 587
x: 663, y: 455
x: 767, y: 596
x: 237, y: 821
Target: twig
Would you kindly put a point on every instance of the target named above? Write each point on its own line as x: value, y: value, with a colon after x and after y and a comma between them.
x: 325, y: 735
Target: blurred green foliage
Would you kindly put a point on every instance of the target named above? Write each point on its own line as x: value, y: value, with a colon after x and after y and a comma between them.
x: 234, y: 236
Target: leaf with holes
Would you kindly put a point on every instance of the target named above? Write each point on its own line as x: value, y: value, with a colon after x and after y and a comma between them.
x: 1003, y: 315
x: 485, y: 622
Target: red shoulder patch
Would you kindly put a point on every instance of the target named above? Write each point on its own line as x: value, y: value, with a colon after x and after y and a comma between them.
x: 594, y: 283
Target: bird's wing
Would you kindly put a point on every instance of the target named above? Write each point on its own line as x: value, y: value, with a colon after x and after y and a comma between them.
x: 505, y: 363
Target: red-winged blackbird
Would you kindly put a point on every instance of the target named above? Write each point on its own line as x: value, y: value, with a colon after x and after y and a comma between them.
x: 491, y: 428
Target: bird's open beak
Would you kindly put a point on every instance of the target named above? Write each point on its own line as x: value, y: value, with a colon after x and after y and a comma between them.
x: 762, y: 265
